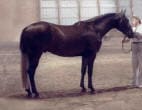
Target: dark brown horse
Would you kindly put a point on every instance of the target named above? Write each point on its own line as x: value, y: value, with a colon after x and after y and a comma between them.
x: 84, y: 38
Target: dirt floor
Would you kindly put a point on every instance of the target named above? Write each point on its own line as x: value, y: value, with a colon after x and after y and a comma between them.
x: 58, y: 80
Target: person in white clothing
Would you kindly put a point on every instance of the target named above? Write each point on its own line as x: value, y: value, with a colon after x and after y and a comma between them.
x: 137, y: 51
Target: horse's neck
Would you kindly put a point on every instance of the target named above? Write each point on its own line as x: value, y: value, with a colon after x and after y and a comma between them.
x: 105, y: 26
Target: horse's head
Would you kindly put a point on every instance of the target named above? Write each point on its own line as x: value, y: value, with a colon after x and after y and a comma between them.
x: 123, y: 24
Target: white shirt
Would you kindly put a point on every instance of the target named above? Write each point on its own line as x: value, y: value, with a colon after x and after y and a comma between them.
x: 138, y: 32
x: 139, y: 29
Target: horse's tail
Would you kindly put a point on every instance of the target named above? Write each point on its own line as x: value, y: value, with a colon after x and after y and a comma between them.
x: 24, y: 61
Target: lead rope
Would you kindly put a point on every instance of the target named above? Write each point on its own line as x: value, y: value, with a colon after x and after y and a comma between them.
x: 124, y: 40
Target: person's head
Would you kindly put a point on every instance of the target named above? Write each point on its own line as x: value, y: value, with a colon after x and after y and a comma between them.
x: 136, y: 21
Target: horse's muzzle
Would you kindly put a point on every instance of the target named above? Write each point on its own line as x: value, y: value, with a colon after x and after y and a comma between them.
x: 130, y: 34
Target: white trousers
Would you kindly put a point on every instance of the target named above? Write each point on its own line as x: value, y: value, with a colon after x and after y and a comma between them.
x: 137, y: 63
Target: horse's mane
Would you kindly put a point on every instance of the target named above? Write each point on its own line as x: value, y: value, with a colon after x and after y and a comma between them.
x: 97, y: 19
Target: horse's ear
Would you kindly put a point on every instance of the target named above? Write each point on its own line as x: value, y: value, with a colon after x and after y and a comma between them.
x: 121, y: 15
x: 122, y: 12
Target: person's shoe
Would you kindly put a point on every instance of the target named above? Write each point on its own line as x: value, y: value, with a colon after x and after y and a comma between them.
x: 139, y: 86
x: 135, y: 86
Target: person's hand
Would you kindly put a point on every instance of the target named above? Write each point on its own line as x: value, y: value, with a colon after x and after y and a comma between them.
x: 125, y: 40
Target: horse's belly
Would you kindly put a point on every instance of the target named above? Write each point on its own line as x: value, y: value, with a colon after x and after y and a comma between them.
x: 67, y: 50
x: 67, y: 47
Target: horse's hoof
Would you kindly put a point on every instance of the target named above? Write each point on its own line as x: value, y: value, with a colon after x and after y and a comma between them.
x: 36, y: 95
x: 29, y: 95
x: 92, y: 91
x: 83, y: 90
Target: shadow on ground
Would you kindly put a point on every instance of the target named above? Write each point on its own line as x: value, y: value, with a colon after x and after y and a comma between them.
x: 72, y: 93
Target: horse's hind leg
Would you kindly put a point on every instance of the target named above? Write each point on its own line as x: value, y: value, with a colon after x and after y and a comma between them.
x: 33, y: 63
x: 83, y: 71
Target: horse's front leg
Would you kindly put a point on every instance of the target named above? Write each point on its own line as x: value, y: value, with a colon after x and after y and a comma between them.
x: 83, y: 72
x: 90, y: 72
